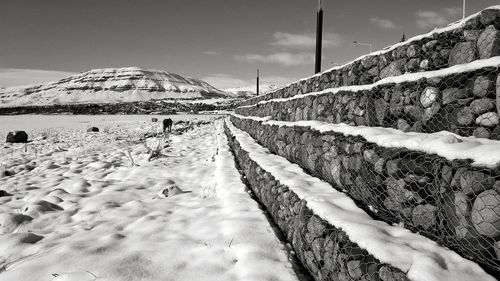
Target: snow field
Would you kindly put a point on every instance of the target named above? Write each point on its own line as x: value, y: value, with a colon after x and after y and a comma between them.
x: 91, y: 215
x: 421, y: 258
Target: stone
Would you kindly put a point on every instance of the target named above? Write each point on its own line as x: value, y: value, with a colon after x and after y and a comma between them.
x: 483, y: 86
x: 429, y: 96
x: 498, y: 93
x: 17, y: 137
x: 465, y: 116
x: 430, y: 46
x: 416, y: 112
x: 393, y: 69
x: 463, y: 52
x: 453, y: 94
x: 93, y: 129
x: 431, y: 111
x: 488, y: 119
x: 486, y: 213
x: 481, y: 132
x: 473, y: 182
x: 483, y: 105
x: 457, y: 209
x: 388, y: 274
x: 472, y: 34
x: 403, y: 125
x: 396, y: 188
x: 316, y: 227
x: 488, y: 16
x: 424, y: 215
x: 355, y: 268
x: 488, y: 43
x: 381, y: 108
x: 497, y: 249
x: 3, y: 193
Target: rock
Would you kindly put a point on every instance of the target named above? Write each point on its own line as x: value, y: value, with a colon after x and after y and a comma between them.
x: 488, y: 43
x: 431, y: 111
x: 488, y: 16
x: 424, y: 64
x: 396, y: 188
x: 416, y: 112
x: 388, y: 274
x: 481, y: 132
x: 93, y: 129
x: 429, y: 96
x: 463, y: 52
x: 465, y: 116
x: 171, y: 190
x: 472, y: 34
x: 489, y: 119
x: 393, y: 69
x: 412, y: 51
x: 457, y: 209
x: 17, y: 137
x: 424, y: 215
x: 473, y: 182
x: 430, y: 46
x: 498, y: 93
x: 355, y: 269
x: 154, y: 119
x: 315, y: 227
x: 453, y: 94
x: 486, y: 213
x: 4, y: 193
x: 497, y: 249
x: 403, y: 125
x: 381, y: 108
x: 483, y: 86
x: 483, y: 105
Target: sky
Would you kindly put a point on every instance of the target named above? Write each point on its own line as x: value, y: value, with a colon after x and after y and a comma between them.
x: 220, y: 41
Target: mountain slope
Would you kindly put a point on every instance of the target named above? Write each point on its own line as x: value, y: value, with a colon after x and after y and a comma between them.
x: 111, y: 85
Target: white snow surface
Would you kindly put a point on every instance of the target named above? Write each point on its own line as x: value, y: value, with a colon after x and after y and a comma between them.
x: 421, y: 258
x: 409, y: 77
x: 456, y: 25
x: 97, y: 217
x: 110, y: 85
x: 483, y: 152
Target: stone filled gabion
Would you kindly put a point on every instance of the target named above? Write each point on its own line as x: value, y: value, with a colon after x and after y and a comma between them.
x: 476, y: 39
x: 450, y: 202
x: 325, y: 251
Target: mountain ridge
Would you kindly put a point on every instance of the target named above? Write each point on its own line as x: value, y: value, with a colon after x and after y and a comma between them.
x: 111, y: 85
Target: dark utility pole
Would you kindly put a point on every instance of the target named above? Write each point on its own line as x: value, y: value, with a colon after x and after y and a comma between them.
x: 257, y: 82
x: 319, y: 37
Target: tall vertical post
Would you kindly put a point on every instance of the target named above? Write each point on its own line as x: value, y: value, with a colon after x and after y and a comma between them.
x: 319, y: 36
x: 257, y: 82
x: 463, y: 10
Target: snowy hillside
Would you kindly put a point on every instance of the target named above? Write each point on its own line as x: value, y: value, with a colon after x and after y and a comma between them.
x: 110, y: 85
x: 250, y: 90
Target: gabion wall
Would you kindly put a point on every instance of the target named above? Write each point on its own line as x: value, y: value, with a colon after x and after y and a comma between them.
x: 451, y: 202
x: 462, y: 103
x: 477, y: 38
x: 324, y: 250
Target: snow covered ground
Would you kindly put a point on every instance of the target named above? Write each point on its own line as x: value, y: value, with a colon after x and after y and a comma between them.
x: 79, y: 209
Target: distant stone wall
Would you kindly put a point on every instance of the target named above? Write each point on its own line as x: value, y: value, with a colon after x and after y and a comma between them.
x: 465, y: 103
x: 451, y: 202
x: 326, y: 251
x: 478, y: 38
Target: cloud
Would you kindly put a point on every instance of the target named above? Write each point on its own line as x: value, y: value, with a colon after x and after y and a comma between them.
x: 304, y: 41
x: 432, y: 19
x: 384, y: 23
x: 283, y: 58
x: 211, y: 53
x: 17, y: 77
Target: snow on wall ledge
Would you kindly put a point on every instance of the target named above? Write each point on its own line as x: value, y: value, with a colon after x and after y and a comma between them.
x: 331, y: 234
x: 475, y: 37
x: 449, y: 200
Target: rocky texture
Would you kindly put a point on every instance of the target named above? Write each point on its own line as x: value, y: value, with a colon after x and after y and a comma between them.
x: 17, y: 137
x: 93, y: 129
x: 110, y: 85
x: 325, y: 250
x: 477, y: 38
x: 464, y: 103
x: 450, y: 202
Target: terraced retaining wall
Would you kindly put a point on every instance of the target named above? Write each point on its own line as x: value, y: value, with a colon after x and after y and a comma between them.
x: 452, y: 202
x: 326, y: 251
x: 476, y: 38
x: 466, y: 103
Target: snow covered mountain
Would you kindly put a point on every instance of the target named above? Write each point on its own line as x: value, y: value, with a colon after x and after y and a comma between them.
x: 250, y: 90
x: 111, y: 85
